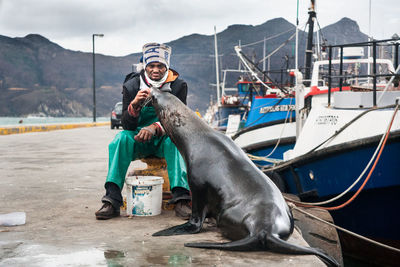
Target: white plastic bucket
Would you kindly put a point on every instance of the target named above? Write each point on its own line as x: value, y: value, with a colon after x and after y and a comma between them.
x: 144, y: 195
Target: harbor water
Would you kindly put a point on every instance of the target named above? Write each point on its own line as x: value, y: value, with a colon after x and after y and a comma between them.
x: 33, y: 120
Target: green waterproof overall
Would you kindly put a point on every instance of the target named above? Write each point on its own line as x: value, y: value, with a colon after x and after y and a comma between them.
x: 124, y: 149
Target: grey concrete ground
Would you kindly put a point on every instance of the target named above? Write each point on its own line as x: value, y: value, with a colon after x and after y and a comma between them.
x: 57, y: 178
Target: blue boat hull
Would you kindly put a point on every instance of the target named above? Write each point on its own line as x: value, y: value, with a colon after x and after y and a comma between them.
x: 326, y: 173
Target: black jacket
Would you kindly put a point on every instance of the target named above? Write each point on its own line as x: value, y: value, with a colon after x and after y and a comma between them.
x: 131, y: 87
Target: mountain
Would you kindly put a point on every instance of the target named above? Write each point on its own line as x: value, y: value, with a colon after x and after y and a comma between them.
x: 39, y: 76
x: 344, y: 27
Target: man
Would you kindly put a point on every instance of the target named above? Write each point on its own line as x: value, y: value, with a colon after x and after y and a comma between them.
x: 143, y: 134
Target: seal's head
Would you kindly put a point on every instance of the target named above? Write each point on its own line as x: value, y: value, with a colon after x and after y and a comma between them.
x: 164, y: 103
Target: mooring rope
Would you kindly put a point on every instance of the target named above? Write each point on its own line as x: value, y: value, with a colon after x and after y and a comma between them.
x: 362, y: 173
x: 283, y: 128
x: 267, y: 157
x: 259, y: 158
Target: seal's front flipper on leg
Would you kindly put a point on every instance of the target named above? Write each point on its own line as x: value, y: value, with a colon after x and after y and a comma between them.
x: 183, y: 229
x: 194, y: 225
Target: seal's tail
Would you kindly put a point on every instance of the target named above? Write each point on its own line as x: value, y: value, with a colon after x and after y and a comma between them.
x: 281, y: 246
x: 272, y: 243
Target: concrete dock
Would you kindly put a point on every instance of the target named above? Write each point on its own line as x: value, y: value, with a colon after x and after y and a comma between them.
x: 57, y: 178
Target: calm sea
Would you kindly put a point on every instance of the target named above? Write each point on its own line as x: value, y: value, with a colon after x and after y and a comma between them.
x: 20, y: 121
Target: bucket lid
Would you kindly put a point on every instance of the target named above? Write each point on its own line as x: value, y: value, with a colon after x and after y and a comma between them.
x: 144, y: 180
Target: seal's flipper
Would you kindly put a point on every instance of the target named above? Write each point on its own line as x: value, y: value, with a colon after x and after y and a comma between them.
x: 281, y: 246
x: 245, y: 244
x: 183, y: 229
x: 265, y: 242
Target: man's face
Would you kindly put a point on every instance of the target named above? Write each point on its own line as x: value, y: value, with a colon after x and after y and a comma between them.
x: 155, y: 70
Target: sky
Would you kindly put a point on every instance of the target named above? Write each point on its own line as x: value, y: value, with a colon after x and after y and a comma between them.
x: 128, y: 24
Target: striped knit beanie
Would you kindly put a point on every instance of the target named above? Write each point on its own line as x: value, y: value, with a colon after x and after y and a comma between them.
x: 154, y: 52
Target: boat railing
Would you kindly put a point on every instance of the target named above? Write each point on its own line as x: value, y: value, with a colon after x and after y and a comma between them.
x: 281, y: 76
x: 374, y: 75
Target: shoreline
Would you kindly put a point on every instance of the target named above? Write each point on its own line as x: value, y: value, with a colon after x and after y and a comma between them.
x: 5, y: 130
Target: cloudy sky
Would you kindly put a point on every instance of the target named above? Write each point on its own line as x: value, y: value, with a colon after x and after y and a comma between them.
x: 128, y: 24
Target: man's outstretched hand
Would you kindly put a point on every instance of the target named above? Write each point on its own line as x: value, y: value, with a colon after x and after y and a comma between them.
x: 146, y: 133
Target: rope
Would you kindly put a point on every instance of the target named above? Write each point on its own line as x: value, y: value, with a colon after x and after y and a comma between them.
x: 238, y: 52
x: 356, y: 181
x: 344, y: 230
x: 389, y: 83
x: 261, y: 106
x: 322, y: 34
x: 246, y: 62
x: 369, y: 174
x: 266, y: 158
x: 269, y: 38
x: 258, y: 158
x: 347, y: 125
x: 277, y: 49
x: 283, y: 128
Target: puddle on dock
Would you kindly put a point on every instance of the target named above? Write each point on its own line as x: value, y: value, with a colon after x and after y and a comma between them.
x: 35, y: 255
x: 20, y: 254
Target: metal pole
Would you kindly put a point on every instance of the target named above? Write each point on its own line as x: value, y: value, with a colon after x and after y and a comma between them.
x: 239, y: 67
x: 374, y: 72
x: 94, y: 75
x: 369, y: 39
x: 329, y: 76
x: 216, y: 66
x: 264, y: 48
x: 341, y: 69
x: 296, y: 62
x: 94, y: 83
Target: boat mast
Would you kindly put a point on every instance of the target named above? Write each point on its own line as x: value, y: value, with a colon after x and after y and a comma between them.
x: 296, y: 64
x: 216, y: 66
x: 299, y: 87
x: 311, y: 18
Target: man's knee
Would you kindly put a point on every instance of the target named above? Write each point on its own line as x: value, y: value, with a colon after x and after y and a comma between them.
x: 123, y: 138
x: 168, y: 144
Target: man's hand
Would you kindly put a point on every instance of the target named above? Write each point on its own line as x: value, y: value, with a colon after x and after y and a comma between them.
x: 146, y: 133
x: 140, y: 97
x: 134, y: 107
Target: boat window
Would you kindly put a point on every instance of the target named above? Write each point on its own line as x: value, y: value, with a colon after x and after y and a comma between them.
x: 244, y: 87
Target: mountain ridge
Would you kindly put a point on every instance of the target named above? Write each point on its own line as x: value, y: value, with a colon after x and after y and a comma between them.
x: 39, y: 76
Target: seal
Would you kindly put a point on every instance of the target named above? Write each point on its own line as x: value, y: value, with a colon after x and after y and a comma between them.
x: 226, y: 185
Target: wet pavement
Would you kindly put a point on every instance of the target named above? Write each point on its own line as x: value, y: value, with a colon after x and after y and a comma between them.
x: 57, y: 178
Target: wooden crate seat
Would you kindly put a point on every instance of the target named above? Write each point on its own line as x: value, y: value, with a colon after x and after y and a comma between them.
x: 155, y: 167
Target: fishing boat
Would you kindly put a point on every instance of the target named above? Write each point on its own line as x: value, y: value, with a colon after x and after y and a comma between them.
x: 258, y: 115
x: 270, y: 127
x: 231, y: 101
x: 347, y: 153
